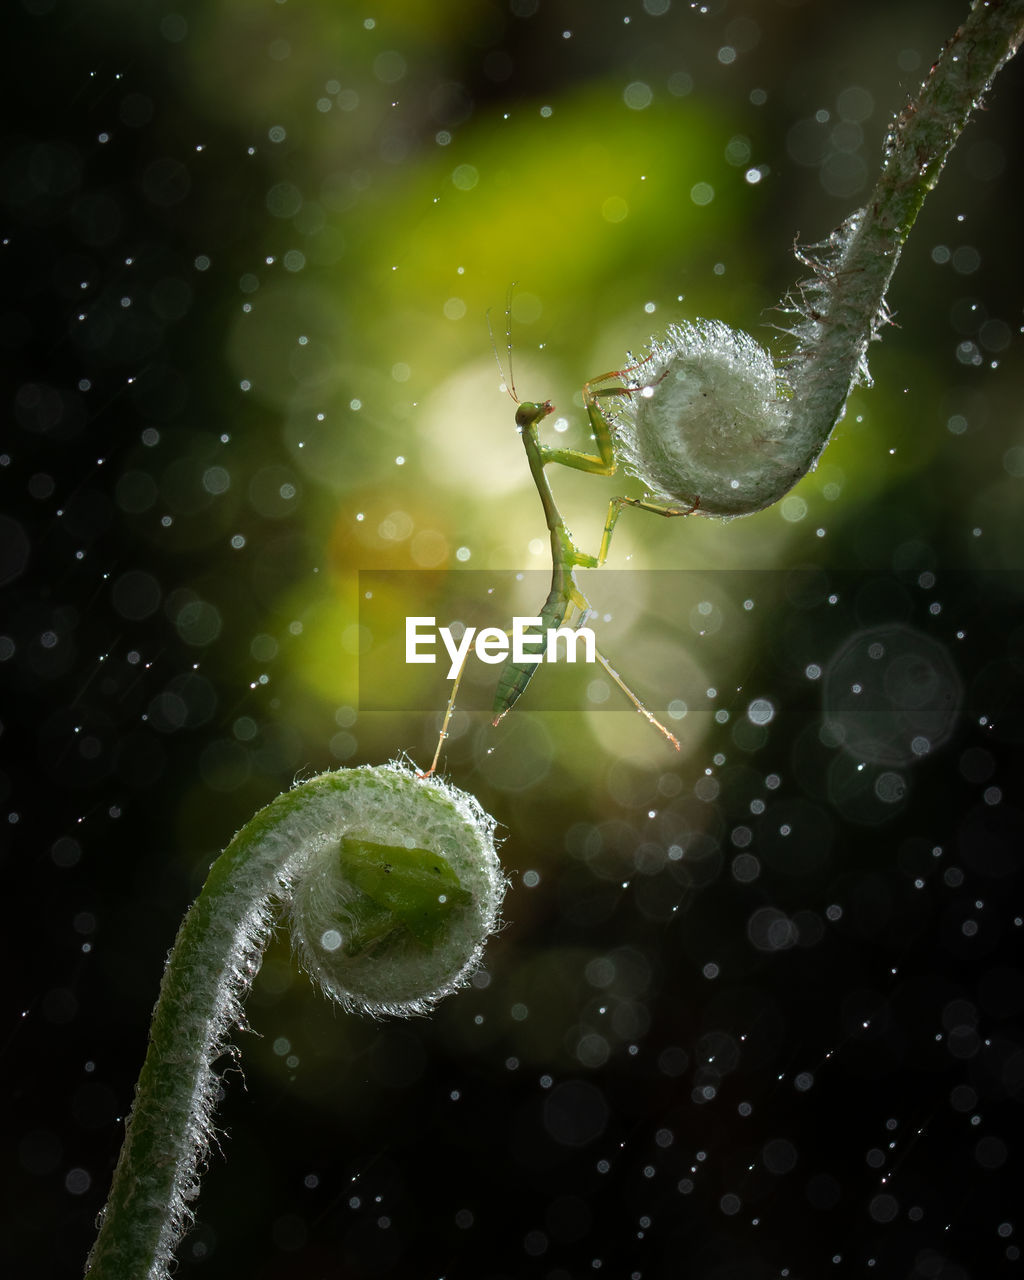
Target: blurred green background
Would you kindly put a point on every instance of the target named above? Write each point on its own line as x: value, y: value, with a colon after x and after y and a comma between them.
x: 252, y: 249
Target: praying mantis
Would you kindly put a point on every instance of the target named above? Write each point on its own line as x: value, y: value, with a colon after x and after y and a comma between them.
x: 565, y: 597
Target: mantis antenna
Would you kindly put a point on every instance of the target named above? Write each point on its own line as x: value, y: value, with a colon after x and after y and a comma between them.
x: 507, y: 384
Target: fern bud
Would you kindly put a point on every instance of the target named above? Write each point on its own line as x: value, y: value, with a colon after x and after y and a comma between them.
x: 393, y: 887
x: 391, y: 911
x: 707, y: 424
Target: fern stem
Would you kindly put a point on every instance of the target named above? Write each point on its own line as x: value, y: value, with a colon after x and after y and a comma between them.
x: 843, y: 305
x: 294, y: 841
x: 708, y: 425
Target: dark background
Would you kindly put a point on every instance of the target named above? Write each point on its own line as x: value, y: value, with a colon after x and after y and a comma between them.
x: 755, y: 1011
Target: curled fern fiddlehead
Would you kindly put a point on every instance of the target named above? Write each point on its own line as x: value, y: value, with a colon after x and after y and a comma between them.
x: 707, y: 424
x: 394, y: 887
x: 710, y: 426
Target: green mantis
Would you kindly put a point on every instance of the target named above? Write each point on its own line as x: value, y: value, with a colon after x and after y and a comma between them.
x: 565, y: 598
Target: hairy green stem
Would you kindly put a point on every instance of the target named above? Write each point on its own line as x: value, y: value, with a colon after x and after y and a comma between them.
x: 843, y: 305
x: 711, y: 426
x: 395, y: 887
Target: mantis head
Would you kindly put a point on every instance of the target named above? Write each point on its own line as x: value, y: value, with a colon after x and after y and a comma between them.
x: 528, y: 414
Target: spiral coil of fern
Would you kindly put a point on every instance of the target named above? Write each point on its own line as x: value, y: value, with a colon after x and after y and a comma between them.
x: 393, y: 887
x: 712, y: 425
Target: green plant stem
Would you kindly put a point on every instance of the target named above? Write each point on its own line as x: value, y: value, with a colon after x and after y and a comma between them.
x: 712, y: 431
x: 209, y: 970
x: 294, y: 842
x: 843, y: 306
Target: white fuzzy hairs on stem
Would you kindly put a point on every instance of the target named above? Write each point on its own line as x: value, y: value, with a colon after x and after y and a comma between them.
x: 710, y: 425
x: 394, y: 886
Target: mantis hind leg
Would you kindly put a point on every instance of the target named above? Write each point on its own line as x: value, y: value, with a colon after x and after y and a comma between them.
x: 450, y: 709
x: 583, y: 605
x: 448, y: 713
x: 637, y: 702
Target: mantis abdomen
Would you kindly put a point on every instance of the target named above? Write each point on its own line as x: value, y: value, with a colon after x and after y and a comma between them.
x: 515, y: 676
